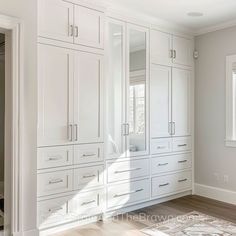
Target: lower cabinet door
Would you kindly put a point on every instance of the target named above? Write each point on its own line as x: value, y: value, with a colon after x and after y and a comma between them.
x: 168, y: 184
x: 171, y: 163
x: 127, y: 194
x: 88, y: 177
x: 55, y: 182
x: 126, y: 170
x: 87, y: 204
x: 53, y: 212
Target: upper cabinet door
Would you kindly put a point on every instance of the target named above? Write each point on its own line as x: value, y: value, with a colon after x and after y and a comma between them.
x: 89, y: 27
x: 55, y: 20
x: 160, y: 48
x: 88, y: 100
x: 160, y: 101
x: 183, y: 51
x: 137, y: 90
x: 181, y: 100
x: 116, y: 90
x: 55, y: 96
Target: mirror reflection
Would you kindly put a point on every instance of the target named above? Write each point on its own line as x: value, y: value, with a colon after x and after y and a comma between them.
x: 137, y: 91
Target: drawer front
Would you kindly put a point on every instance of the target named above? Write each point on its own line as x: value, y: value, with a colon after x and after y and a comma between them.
x: 126, y: 170
x: 171, y: 163
x: 128, y: 193
x: 87, y: 204
x: 51, y: 157
x: 159, y: 146
x: 88, y: 176
x: 88, y: 153
x: 54, y: 211
x: 55, y: 182
x: 171, y: 183
x: 182, y: 144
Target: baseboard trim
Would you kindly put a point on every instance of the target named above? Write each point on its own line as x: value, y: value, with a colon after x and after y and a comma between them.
x: 218, y: 194
x: 33, y: 232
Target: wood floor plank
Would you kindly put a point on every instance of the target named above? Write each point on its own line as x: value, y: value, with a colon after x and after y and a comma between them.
x: 130, y: 224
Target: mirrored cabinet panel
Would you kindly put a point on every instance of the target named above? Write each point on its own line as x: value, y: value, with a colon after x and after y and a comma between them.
x: 116, y: 91
x: 137, y: 91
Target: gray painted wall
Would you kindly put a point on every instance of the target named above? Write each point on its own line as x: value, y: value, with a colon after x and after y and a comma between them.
x: 211, y: 155
x: 2, y: 109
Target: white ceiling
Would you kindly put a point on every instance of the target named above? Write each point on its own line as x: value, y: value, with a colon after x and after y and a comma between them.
x: 215, y: 12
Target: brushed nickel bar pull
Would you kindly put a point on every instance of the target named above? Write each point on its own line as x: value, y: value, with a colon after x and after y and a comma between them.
x: 164, y: 164
x: 76, y: 132
x: 76, y: 31
x: 89, y: 155
x: 56, y: 181
x: 182, y: 145
x: 87, y: 203
x: 70, y: 133
x: 56, y: 158
x: 71, y: 30
x: 182, y: 180
x: 88, y: 176
x: 163, y: 185
x: 55, y: 209
x: 123, y: 171
x: 124, y: 194
x: 182, y: 161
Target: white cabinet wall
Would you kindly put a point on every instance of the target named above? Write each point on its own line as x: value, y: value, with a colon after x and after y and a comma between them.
x: 143, y: 151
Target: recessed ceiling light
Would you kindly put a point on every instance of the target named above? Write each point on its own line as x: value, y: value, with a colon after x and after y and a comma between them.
x: 195, y: 14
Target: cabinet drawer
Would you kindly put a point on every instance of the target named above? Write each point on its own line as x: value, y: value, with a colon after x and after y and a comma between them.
x: 181, y: 144
x: 159, y: 146
x: 128, y: 193
x: 88, y: 176
x: 127, y: 170
x: 87, y: 204
x: 171, y: 163
x: 171, y: 183
x: 54, y: 211
x: 88, y: 153
x: 55, y: 182
x: 51, y: 157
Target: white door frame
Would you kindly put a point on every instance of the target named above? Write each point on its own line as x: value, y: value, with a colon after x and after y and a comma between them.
x: 12, y: 27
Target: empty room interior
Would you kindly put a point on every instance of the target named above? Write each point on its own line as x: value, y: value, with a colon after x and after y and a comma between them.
x: 117, y: 117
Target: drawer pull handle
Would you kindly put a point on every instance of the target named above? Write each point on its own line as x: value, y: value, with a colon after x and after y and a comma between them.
x: 123, y: 171
x: 88, y: 176
x: 182, y: 180
x: 164, y: 185
x: 124, y: 194
x: 89, y: 155
x: 182, y: 145
x: 87, y: 203
x: 56, y: 158
x: 55, y: 209
x: 161, y: 147
x: 164, y: 164
x: 56, y: 181
x: 184, y: 161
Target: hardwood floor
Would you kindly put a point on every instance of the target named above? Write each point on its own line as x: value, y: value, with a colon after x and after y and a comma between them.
x: 130, y: 224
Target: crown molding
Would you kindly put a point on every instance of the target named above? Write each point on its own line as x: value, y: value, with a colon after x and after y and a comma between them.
x: 214, y: 28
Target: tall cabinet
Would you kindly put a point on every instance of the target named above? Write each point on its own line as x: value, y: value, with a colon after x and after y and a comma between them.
x: 171, y: 115
x: 70, y: 112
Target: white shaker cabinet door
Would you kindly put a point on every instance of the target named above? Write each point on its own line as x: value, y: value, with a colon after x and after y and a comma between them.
x: 183, y: 51
x: 89, y: 27
x: 160, y: 47
x: 181, y: 100
x: 55, y: 99
x: 55, y: 20
x: 88, y: 101
x: 160, y: 101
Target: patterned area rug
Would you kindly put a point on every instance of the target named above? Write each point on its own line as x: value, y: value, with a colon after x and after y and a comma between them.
x: 192, y: 224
